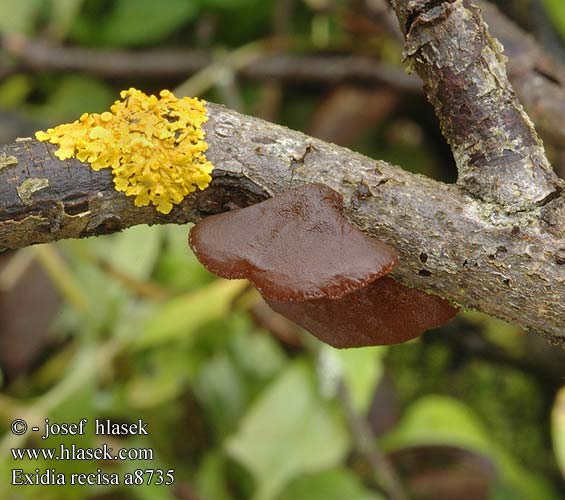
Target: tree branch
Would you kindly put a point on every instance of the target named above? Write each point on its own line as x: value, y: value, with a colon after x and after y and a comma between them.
x: 539, y: 81
x: 40, y: 55
x: 495, y: 243
x: 498, y: 153
x: 509, y: 265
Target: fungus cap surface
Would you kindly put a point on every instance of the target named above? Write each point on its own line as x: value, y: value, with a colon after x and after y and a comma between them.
x: 294, y: 246
x: 154, y: 146
x: 384, y: 312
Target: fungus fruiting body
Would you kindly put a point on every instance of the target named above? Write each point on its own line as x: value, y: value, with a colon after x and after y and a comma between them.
x: 382, y: 313
x: 154, y: 146
x: 311, y: 266
x: 294, y: 246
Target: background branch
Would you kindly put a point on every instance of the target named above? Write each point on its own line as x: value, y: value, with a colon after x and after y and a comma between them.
x: 539, y: 81
x: 275, y: 63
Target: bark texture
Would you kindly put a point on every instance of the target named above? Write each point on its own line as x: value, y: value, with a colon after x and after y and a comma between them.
x: 509, y: 265
x: 498, y: 153
x: 539, y: 81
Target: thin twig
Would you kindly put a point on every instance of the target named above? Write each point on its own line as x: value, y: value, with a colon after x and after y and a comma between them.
x: 224, y: 64
x: 366, y: 442
x: 275, y: 64
x: 63, y: 280
x: 15, y: 269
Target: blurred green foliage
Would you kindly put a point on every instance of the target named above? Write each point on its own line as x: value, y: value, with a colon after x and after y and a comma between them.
x: 556, y: 11
x: 236, y: 410
x: 125, y: 23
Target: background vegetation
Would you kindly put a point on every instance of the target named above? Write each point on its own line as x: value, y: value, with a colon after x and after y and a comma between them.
x: 239, y: 402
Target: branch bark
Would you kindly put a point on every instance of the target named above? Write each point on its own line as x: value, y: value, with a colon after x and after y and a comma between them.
x: 509, y: 265
x: 539, y: 81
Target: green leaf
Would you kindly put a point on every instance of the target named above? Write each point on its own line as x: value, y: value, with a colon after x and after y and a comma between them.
x: 558, y: 429
x: 151, y: 491
x: 165, y: 373
x: 362, y: 371
x: 244, y: 364
x: 177, y: 255
x: 288, y: 431
x: 257, y: 353
x: 14, y: 91
x: 439, y: 420
x: 135, y: 251
x: 63, y: 13
x: 436, y: 420
x: 183, y: 315
x: 222, y: 391
x: 134, y: 22
x: 228, y: 4
x: 334, y: 484
x: 210, y: 478
x: 74, y: 95
x: 18, y: 15
x: 556, y: 11
x: 238, y: 20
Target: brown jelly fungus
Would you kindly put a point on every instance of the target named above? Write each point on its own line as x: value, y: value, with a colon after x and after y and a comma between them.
x: 384, y: 312
x: 292, y: 247
x: 311, y: 266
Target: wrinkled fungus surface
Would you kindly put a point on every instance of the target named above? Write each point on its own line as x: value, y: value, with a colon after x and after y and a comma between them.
x: 154, y: 146
x: 384, y: 312
x: 292, y: 247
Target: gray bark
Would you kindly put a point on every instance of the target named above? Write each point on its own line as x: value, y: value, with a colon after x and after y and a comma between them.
x: 499, y: 156
x: 539, y: 81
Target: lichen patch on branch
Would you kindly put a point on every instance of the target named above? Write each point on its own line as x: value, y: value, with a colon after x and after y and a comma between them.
x: 154, y: 146
x: 6, y: 161
x: 30, y: 186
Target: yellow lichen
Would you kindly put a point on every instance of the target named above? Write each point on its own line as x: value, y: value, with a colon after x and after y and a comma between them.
x: 155, y: 147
